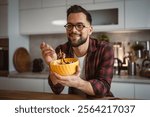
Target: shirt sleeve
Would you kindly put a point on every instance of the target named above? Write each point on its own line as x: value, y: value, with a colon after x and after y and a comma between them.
x: 57, y: 89
x: 104, y: 72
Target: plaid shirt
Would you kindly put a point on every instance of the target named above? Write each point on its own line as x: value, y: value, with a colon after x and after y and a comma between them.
x: 98, y: 66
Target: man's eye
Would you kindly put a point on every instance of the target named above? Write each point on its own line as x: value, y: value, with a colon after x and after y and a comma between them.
x: 69, y: 26
x: 80, y: 25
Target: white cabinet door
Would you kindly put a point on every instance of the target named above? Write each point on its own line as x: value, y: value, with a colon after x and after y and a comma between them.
x: 96, y: 1
x: 30, y: 4
x: 43, y: 21
x: 79, y: 2
x: 3, y: 21
x: 137, y: 14
x: 4, y: 83
x: 28, y: 84
x: 142, y: 91
x: 53, y: 3
x: 109, y: 14
x: 123, y: 90
x: 47, y: 87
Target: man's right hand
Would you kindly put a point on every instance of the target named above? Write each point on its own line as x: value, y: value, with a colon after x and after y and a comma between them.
x: 48, y: 52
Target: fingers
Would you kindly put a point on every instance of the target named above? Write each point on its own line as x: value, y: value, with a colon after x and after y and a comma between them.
x: 59, y: 77
x: 56, y: 78
x: 78, y: 71
x: 48, y: 52
x: 46, y: 47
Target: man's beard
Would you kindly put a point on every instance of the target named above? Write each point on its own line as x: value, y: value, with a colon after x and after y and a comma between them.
x: 79, y: 42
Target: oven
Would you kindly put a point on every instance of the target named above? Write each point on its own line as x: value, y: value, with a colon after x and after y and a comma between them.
x: 4, y: 57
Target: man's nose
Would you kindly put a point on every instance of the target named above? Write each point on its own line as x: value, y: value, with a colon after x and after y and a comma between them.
x: 74, y: 29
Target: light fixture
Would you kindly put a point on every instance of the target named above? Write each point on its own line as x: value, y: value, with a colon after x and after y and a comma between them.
x: 59, y: 22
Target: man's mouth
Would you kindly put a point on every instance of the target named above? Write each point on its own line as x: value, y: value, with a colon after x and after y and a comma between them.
x: 75, y: 35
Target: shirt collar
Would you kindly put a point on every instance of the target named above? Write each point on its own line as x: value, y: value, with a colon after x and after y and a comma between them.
x: 92, y: 45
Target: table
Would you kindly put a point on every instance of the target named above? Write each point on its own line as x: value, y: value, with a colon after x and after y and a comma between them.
x: 26, y: 95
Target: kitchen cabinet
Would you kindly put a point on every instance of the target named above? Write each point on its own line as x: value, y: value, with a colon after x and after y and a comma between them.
x: 142, y: 91
x: 35, y: 4
x: 53, y: 3
x: 123, y: 90
x: 30, y: 4
x: 41, y: 18
x: 3, y: 20
x: 46, y: 86
x: 43, y: 21
x: 107, y: 16
x: 22, y: 84
x: 4, y: 83
x: 27, y: 84
x: 79, y: 2
x: 96, y: 1
x: 137, y: 14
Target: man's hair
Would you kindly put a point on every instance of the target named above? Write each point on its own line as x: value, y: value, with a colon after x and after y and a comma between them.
x: 78, y: 9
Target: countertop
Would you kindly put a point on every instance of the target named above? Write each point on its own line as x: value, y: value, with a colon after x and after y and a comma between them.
x: 26, y: 95
x: 40, y: 75
x: 116, y: 78
x: 131, y: 79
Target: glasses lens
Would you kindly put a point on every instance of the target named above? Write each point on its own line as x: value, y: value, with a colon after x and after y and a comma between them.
x: 68, y: 26
x: 79, y: 26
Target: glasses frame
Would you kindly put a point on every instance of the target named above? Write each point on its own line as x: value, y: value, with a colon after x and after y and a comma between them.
x: 75, y: 25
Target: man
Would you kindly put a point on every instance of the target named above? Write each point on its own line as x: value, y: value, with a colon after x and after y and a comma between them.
x: 94, y: 76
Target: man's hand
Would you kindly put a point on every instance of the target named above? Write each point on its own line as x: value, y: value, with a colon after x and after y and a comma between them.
x: 48, y: 52
x: 70, y: 81
x: 75, y: 81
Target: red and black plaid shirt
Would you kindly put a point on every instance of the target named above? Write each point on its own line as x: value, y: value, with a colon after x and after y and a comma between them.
x: 98, y: 66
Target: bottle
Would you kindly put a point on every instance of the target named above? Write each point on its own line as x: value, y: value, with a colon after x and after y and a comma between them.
x: 131, y: 68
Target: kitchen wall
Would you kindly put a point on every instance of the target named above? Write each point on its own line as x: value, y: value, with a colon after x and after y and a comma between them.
x: 15, y: 38
x: 56, y: 39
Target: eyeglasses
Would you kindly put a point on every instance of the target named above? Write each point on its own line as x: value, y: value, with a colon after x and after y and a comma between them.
x: 78, y: 26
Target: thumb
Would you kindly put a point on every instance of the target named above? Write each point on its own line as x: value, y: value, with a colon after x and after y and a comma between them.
x: 78, y: 71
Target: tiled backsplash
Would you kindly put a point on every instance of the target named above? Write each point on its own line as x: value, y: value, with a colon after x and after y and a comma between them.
x: 55, y: 39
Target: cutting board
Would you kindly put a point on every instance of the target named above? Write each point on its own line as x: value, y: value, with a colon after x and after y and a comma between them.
x: 21, y: 60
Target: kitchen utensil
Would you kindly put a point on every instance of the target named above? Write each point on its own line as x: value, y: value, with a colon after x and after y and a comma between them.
x: 131, y: 68
x: 21, y: 60
x: 117, y: 66
x: 145, y: 68
x: 37, y: 65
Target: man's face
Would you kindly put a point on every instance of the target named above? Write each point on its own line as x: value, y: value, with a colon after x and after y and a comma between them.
x: 80, y: 31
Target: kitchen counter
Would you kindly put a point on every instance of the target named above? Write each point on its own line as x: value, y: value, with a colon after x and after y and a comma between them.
x: 136, y: 87
x: 131, y: 79
x: 26, y: 95
x: 116, y: 78
x: 39, y: 75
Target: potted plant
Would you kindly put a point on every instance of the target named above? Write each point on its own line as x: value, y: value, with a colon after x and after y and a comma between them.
x: 138, y: 49
x: 103, y: 37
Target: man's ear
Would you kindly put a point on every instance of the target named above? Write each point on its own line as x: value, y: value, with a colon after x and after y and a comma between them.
x: 91, y: 30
